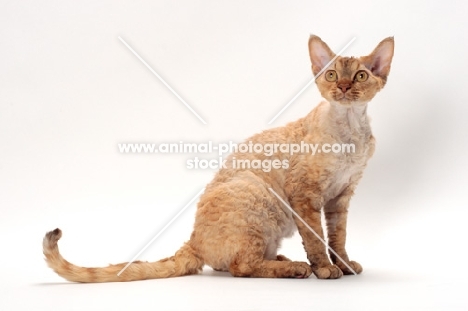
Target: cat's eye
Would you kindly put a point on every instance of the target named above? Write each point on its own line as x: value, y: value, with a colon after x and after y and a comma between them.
x: 331, y: 76
x: 361, y: 76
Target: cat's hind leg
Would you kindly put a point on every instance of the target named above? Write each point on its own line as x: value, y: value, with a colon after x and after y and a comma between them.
x: 250, y: 262
x: 269, y: 269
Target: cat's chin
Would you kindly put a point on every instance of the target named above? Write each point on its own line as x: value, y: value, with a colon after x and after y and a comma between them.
x: 348, y: 103
x: 346, y: 100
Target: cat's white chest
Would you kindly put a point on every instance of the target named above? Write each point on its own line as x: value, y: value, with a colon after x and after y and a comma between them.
x: 351, y: 127
x: 340, y: 180
x: 348, y: 166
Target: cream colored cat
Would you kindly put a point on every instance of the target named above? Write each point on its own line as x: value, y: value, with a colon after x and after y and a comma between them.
x: 239, y: 223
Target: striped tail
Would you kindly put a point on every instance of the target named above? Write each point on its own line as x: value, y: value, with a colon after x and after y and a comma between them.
x: 184, y: 262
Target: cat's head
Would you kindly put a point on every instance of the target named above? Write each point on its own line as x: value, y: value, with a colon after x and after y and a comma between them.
x: 349, y: 80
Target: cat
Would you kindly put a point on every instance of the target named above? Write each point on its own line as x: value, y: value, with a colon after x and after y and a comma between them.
x: 239, y: 221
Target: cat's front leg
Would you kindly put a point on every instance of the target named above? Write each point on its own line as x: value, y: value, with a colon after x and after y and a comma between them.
x: 314, y: 247
x: 336, y: 214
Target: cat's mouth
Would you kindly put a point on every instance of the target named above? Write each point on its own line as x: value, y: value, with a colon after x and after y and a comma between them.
x: 346, y: 98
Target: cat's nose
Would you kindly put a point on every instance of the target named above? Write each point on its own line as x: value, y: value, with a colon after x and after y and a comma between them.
x: 344, y: 86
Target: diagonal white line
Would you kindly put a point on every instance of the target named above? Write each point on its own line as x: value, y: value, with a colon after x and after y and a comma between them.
x: 162, y: 80
x: 160, y: 232
x: 312, y: 81
x: 312, y: 230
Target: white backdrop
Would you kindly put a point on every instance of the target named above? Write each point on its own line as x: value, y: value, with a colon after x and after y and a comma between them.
x: 70, y: 91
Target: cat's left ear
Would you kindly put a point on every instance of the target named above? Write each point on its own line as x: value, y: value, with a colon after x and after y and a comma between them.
x: 380, y: 60
x: 320, y: 54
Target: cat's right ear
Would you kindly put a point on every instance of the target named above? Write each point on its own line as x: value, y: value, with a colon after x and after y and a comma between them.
x: 320, y: 54
x: 380, y: 60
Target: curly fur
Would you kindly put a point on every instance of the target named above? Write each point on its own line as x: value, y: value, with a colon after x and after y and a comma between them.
x: 239, y: 223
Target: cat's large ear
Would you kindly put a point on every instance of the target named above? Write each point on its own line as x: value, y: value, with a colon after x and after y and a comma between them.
x: 380, y: 60
x: 320, y: 54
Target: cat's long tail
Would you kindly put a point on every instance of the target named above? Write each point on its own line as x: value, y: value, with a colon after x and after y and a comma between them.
x: 184, y: 262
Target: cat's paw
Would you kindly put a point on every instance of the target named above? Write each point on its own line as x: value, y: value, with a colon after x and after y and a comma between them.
x: 221, y: 270
x: 353, y: 264
x: 282, y: 258
x: 302, y: 270
x: 328, y: 272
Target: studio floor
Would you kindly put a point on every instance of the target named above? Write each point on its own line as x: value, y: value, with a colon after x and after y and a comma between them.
x: 373, y: 290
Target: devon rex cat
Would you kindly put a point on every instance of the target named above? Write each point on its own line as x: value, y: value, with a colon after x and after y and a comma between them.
x: 240, y: 223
